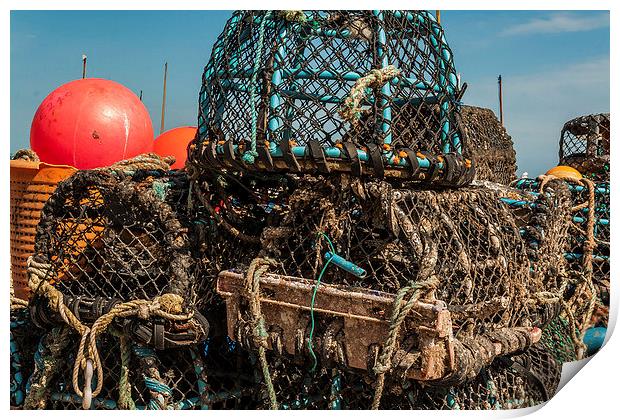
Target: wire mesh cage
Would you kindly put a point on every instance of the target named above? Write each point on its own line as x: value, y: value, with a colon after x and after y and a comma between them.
x: 114, y: 270
x: 383, y: 235
x: 584, y: 145
x: 520, y: 381
x: 117, y: 237
x: 487, y: 140
x: 586, y: 249
x: 358, y: 91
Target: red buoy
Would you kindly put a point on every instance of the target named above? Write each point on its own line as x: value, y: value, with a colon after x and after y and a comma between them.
x: 174, y: 143
x: 90, y: 123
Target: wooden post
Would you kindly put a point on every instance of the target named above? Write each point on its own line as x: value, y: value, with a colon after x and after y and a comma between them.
x: 83, y: 66
x: 501, y: 101
x: 438, y: 16
x: 163, y: 101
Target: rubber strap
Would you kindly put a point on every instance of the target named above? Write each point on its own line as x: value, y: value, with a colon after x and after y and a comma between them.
x: 288, y: 156
x: 413, y: 162
x: 350, y: 152
x: 265, y: 157
x: 376, y: 159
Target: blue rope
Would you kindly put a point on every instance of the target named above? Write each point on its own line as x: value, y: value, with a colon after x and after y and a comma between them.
x: 316, y: 287
x: 250, y: 155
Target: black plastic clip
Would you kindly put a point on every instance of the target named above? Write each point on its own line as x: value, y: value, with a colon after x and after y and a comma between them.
x: 433, y: 168
x: 414, y: 165
x: 316, y: 152
x: 375, y: 158
x: 265, y: 157
x: 350, y: 151
x: 289, y: 157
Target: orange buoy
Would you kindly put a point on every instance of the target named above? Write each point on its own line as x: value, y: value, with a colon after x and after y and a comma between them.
x: 565, y: 172
x: 90, y: 123
x: 174, y: 143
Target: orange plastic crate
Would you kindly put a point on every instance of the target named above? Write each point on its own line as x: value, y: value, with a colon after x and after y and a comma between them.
x: 32, y: 183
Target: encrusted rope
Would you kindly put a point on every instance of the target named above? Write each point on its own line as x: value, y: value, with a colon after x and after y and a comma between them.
x: 399, y: 313
x: 250, y: 155
x: 351, y: 110
x: 258, y: 267
x: 125, y: 402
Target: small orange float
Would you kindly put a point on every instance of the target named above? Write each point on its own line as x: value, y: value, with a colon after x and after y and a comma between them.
x: 565, y: 172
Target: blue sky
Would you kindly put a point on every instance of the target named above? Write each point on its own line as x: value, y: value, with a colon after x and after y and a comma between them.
x: 555, y: 65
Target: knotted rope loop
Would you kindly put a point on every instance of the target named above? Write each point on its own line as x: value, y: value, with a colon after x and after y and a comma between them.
x: 401, y: 308
x: 143, y: 162
x: 250, y: 155
x: 168, y: 306
x: 258, y: 267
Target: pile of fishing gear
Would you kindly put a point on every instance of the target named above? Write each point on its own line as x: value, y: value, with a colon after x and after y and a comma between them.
x: 329, y: 244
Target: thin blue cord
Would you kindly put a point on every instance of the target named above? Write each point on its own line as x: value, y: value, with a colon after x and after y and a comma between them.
x: 316, y: 287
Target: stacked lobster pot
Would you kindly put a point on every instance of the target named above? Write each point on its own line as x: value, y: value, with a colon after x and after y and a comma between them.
x: 349, y: 255
x: 587, y: 250
x: 113, y: 295
x: 584, y: 145
x: 485, y: 138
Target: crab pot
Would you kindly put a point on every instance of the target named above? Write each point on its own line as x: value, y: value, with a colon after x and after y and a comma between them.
x: 576, y: 234
x: 113, y: 236
x: 584, y: 145
x: 117, y: 237
x: 308, y: 92
x: 467, y: 238
x: 32, y: 183
x: 488, y: 141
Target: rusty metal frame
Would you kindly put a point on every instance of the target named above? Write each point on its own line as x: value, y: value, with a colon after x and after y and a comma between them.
x: 285, y: 305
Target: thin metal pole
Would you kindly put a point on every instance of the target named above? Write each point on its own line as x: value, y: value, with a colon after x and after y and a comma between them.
x: 163, y: 101
x: 438, y: 16
x: 83, y: 66
x: 501, y: 100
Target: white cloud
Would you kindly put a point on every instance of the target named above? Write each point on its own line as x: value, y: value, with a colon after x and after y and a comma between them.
x: 559, y: 23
